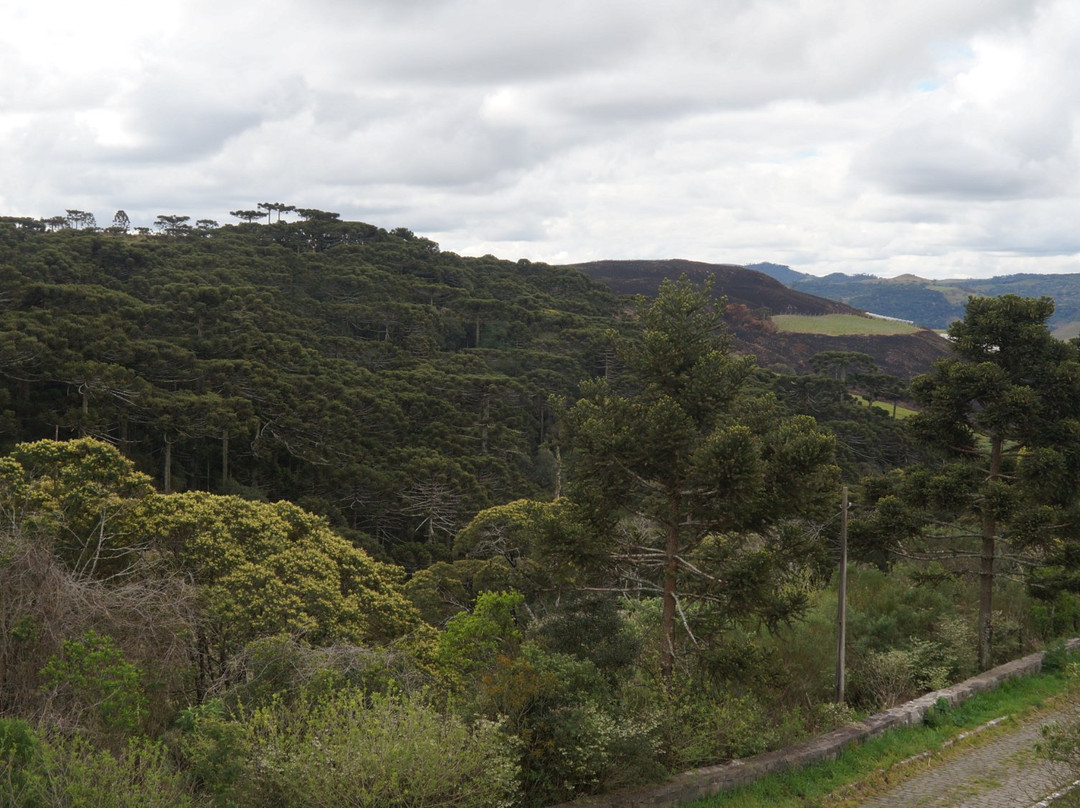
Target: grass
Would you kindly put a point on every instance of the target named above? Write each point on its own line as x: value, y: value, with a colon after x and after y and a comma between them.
x: 901, y: 412
x: 837, y: 325
x: 954, y: 294
x: 864, y: 770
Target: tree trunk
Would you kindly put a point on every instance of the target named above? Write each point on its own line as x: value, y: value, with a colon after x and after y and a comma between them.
x: 167, y: 475
x: 986, y: 566
x: 224, y: 457
x: 558, y: 471
x: 667, y: 653
x: 85, y: 411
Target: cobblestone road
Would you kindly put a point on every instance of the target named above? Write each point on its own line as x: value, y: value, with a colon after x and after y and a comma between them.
x: 1003, y: 773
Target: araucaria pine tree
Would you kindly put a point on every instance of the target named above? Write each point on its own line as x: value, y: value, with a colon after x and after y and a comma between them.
x: 690, y: 479
x: 1003, y: 414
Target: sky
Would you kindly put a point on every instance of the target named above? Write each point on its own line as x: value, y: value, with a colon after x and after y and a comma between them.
x: 932, y: 137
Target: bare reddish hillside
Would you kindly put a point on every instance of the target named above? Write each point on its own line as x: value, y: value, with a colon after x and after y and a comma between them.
x: 903, y: 355
x: 751, y: 288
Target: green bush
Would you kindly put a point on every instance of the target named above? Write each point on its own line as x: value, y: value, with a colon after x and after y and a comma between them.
x: 940, y: 714
x: 591, y: 627
x: 71, y: 773
x: 93, y: 680
x: 706, y: 723
x: 828, y: 715
x: 139, y: 776
x: 802, y: 657
x: 20, y: 751
x: 1061, y: 739
x: 1056, y: 658
x: 345, y: 750
x: 286, y: 668
x: 885, y: 610
x: 958, y: 638
x: 1061, y: 743
x: 1056, y: 617
x: 573, y: 740
x: 213, y: 750
x: 473, y: 640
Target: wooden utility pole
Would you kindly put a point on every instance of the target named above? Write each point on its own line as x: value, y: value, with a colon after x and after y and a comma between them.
x: 841, y: 600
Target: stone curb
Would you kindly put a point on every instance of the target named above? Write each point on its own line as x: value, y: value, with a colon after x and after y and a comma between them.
x: 700, y: 783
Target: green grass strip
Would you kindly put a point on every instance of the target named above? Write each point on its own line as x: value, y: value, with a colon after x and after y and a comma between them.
x: 858, y: 772
x: 839, y: 324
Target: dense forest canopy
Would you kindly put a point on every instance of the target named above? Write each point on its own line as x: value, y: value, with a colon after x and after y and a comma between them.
x: 362, y: 373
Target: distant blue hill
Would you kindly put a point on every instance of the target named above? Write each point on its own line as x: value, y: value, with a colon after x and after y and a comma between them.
x: 786, y: 275
x: 935, y: 303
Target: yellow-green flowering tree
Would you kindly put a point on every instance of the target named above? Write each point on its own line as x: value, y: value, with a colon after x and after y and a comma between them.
x: 274, y: 568
x: 76, y: 494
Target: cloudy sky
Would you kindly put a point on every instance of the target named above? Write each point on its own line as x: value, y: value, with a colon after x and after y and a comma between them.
x: 937, y: 137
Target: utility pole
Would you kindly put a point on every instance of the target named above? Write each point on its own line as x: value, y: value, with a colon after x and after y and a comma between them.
x: 841, y: 600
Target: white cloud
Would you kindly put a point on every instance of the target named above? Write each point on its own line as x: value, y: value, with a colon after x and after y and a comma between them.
x: 853, y: 135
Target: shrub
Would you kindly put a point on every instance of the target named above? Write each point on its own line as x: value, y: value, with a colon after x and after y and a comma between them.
x: 1061, y: 739
x: 884, y: 678
x: 957, y: 635
x: 828, y: 715
x: 707, y: 723
x: 380, y: 752
x: 71, y: 773
x: 20, y: 750
x: 286, y: 668
x: 91, y: 675
x: 590, y: 627
x: 473, y: 640
x: 139, y: 776
x: 213, y: 749
x: 940, y: 714
x: 1056, y: 658
x: 572, y: 740
x: 1056, y: 617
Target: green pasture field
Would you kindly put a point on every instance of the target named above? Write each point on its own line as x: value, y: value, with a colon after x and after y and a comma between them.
x: 901, y: 412
x: 838, y: 325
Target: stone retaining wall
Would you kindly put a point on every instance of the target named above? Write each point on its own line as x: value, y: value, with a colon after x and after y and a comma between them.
x: 699, y: 783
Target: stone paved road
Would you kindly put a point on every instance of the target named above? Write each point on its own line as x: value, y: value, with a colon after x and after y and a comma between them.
x: 1004, y: 773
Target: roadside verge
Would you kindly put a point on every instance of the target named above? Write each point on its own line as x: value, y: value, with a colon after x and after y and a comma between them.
x: 705, y: 782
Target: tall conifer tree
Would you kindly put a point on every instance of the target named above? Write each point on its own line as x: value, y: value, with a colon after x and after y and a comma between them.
x: 680, y: 457
x: 1003, y: 414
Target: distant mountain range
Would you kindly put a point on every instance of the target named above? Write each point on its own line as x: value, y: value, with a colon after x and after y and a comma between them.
x: 934, y: 303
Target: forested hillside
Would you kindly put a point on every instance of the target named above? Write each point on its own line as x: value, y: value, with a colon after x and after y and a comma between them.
x: 363, y: 374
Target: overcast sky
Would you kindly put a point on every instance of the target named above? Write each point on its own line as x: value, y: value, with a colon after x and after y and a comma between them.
x: 937, y: 137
